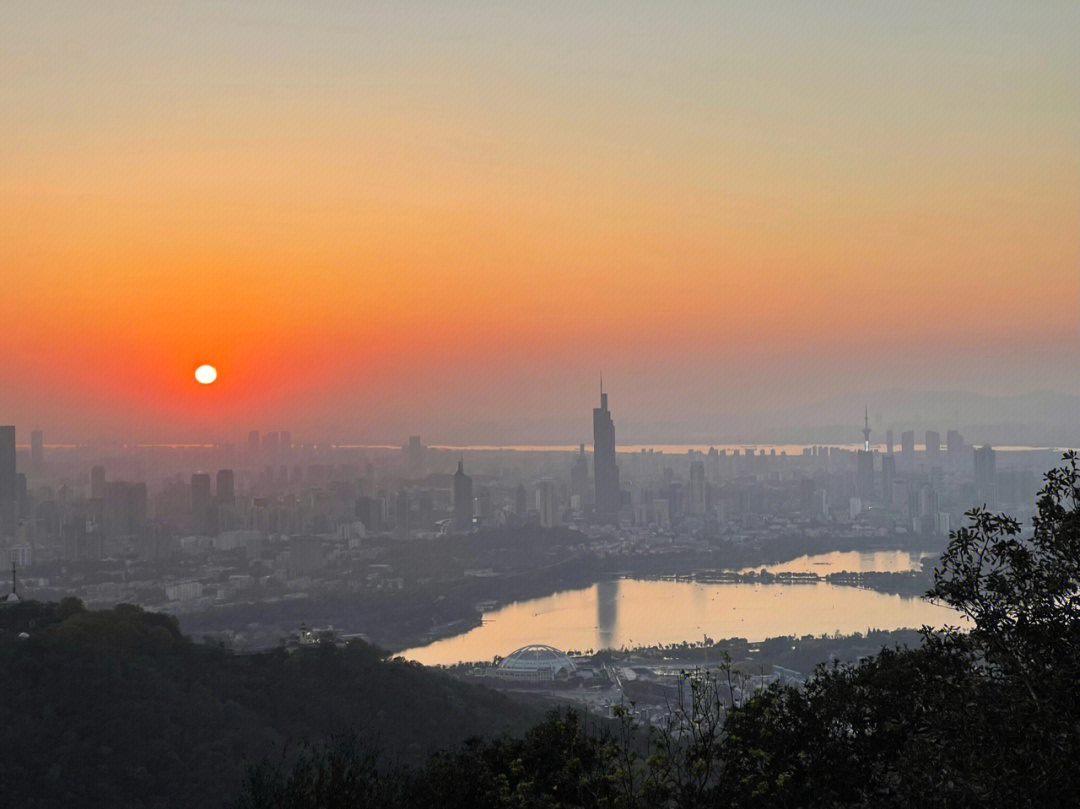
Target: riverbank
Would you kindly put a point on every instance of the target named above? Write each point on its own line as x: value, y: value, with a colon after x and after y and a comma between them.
x: 437, y: 609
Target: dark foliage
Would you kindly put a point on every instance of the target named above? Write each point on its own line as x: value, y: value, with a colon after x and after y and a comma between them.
x: 116, y: 708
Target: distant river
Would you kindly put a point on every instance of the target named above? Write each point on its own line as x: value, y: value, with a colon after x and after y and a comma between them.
x: 635, y: 612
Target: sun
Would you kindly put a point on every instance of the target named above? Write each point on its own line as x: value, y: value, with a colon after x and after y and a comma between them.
x: 205, y: 374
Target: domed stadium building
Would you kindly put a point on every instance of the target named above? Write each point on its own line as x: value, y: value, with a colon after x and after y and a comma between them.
x: 536, y: 663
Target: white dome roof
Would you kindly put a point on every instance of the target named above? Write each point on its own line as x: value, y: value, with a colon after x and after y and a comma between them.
x: 538, y: 657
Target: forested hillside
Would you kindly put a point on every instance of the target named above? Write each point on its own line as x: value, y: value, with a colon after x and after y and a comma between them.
x: 117, y: 709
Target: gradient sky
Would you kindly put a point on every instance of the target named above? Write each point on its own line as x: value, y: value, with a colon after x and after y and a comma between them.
x: 378, y: 219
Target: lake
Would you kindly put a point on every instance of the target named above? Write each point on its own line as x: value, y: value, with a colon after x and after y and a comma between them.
x: 636, y: 612
x: 823, y: 564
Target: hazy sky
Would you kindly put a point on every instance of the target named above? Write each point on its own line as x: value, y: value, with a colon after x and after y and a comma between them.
x: 378, y: 219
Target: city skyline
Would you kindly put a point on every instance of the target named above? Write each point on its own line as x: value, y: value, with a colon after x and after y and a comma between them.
x: 1040, y: 419
x: 727, y: 210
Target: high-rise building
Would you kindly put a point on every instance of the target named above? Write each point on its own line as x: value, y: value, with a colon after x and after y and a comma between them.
x: 927, y: 509
x: 954, y: 443
x: 7, y: 463
x: 888, y: 441
x: 97, y: 482
x: 888, y: 477
x: 985, y: 475
x: 605, y: 470
x: 714, y: 465
x: 226, y: 489
x: 485, y: 509
x: 37, y: 451
x: 286, y: 441
x: 463, y: 498
x: 698, y: 492
x: 933, y: 446
x: 520, y: 501
x: 124, y: 507
x: 201, y: 500
x: 365, y: 512
x: 907, y: 446
x: 401, y: 511
x: 253, y: 442
x: 865, y: 464
x: 545, y: 502
x: 865, y: 474
x: 414, y: 458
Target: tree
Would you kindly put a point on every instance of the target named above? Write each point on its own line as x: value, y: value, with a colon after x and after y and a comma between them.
x: 1021, y: 594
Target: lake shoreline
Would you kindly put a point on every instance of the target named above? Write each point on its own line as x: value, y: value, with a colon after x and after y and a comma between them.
x: 688, y: 564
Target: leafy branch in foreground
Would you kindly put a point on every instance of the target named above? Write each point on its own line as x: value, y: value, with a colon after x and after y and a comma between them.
x: 1021, y: 594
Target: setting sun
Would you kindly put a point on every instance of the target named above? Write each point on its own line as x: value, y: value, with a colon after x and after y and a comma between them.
x: 205, y: 374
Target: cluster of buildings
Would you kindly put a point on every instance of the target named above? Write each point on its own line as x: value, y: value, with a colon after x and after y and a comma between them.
x: 202, y: 524
x: 653, y: 691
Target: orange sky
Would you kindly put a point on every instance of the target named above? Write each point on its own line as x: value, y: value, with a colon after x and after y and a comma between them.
x: 409, y: 215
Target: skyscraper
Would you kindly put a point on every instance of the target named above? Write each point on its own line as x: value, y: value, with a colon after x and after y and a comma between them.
x: 520, y: 501
x: 698, y: 492
x: 463, y: 498
x: 545, y: 502
x: 605, y: 471
x: 888, y: 477
x: 865, y: 474
x: 907, y: 445
x: 9, y: 481
x: 201, y: 501
x: 226, y: 489
x: 7, y: 463
x: 933, y: 446
x: 124, y: 508
x: 865, y: 460
x: 985, y: 474
x: 414, y: 457
x: 954, y: 443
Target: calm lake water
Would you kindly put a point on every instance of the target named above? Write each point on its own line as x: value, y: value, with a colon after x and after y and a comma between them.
x: 852, y: 561
x: 635, y: 612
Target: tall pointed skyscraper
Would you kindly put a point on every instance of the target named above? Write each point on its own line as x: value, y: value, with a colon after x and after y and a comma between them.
x: 865, y: 463
x: 463, y: 498
x: 605, y: 471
